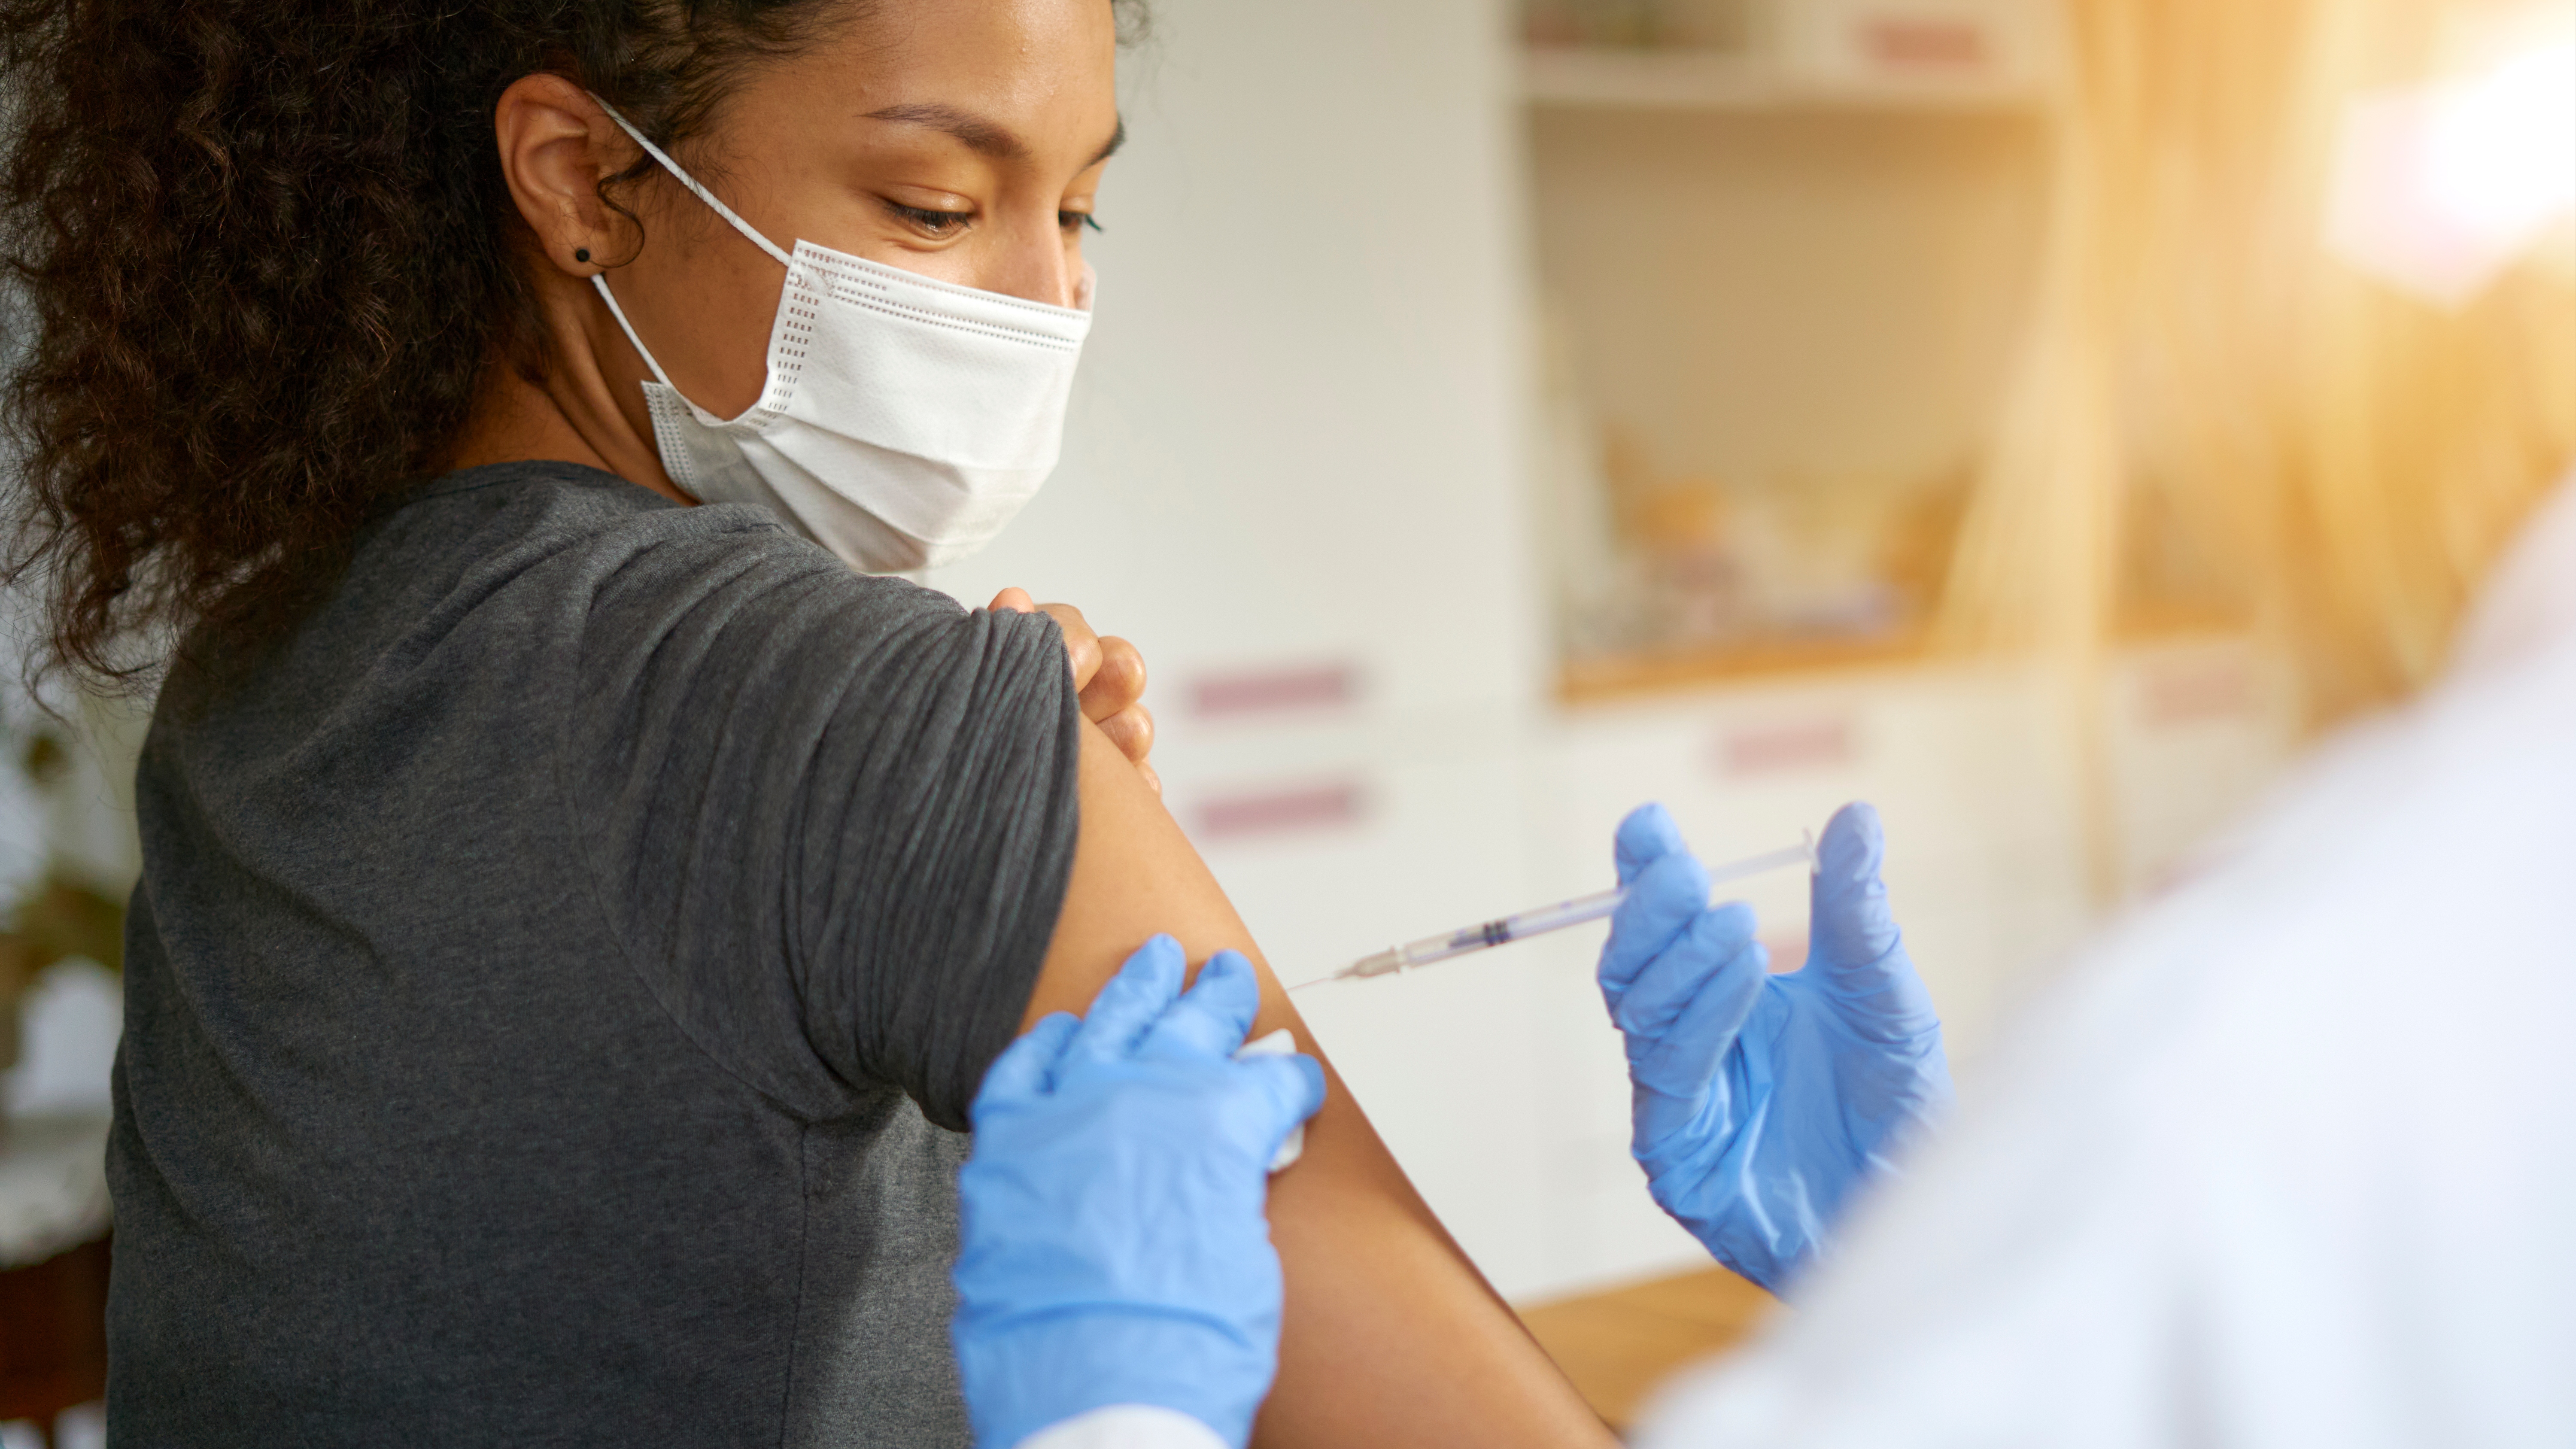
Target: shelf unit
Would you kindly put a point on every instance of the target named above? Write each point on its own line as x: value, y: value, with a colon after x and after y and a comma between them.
x: 1778, y: 305
x: 1610, y: 678
x: 1752, y: 151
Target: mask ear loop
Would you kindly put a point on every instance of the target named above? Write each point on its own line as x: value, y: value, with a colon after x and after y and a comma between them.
x: 700, y: 192
x: 600, y: 279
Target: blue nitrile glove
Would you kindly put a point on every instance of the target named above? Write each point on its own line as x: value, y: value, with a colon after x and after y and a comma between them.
x: 1115, y: 1248
x: 1761, y: 1101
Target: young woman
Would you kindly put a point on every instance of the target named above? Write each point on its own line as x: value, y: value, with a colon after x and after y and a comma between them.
x: 574, y: 921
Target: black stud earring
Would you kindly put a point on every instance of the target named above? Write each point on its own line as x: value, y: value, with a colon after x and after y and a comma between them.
x: 581, y: 254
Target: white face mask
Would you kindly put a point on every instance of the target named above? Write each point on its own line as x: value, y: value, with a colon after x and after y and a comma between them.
x: 904, y: 422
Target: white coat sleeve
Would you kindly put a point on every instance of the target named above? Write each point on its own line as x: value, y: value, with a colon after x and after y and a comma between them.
x: 1126, y: 1426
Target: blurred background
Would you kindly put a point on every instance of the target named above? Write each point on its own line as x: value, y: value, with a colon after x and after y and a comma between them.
x: 1502, y: 414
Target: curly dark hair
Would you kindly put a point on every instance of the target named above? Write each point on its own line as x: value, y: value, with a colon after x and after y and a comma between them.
x: 263, y: 253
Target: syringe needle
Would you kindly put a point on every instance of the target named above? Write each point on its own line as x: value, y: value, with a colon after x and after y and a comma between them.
x: 1545, y: 919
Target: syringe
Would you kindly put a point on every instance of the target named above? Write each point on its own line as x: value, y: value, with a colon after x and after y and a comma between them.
x: 1545, y: 919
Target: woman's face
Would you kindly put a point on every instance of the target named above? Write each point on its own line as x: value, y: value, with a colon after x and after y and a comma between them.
x: 963, y: 140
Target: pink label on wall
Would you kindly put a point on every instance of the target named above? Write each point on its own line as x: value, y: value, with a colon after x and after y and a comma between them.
x: 1808, y: 744
x: 1280, y: 811
x: 2193, y: 691
x: 1925, y: 43
x: 1291, y: 689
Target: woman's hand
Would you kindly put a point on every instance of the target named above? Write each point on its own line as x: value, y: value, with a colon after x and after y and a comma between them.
x: 1762, y: 1101
x: 1108, y: 673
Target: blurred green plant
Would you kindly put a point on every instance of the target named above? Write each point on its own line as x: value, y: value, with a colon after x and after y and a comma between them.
x: 64, y: 919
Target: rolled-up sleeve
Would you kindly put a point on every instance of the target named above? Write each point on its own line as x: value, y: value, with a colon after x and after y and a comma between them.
x: 832, y: 816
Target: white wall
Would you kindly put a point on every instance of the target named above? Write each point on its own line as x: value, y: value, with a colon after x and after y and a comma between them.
x: 1296, y: 444
x: 1296, y: 412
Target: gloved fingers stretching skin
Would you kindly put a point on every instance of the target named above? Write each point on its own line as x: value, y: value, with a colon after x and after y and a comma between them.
x: 1027, y: 1067
x: 1114, y: 1245
x: 1213, y: 1016
x: 1129, y: 1003
x: 1294, y: 1088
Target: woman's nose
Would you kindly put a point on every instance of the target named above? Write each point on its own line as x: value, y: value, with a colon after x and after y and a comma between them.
x: 1036, y: 266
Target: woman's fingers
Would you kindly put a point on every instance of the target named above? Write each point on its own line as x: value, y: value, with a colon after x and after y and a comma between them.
x: 1113, y: 701
x: 1108, y: 677
x: 1132, y: 731
x: 1116, y: 684
x: 1081, y: 646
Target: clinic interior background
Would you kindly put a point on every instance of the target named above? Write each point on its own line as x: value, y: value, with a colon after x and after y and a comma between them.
x: 1499, y: 415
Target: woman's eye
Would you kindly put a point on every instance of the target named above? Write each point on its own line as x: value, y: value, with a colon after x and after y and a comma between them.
x: 937, y: 223
x: 1075, y: 220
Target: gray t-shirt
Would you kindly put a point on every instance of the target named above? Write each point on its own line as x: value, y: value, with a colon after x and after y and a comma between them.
x: 541, y: 975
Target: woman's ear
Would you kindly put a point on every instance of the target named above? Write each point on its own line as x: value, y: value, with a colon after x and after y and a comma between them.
x: 556, y: 145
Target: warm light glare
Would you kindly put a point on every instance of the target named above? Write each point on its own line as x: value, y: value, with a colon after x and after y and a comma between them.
x: 2501, y: 153
x: 2439, y: 190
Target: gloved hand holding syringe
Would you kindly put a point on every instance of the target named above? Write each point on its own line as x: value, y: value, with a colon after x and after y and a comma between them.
x: 1548, y: 918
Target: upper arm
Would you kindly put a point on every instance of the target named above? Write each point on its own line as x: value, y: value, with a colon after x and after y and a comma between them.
x: 1391, y: 1337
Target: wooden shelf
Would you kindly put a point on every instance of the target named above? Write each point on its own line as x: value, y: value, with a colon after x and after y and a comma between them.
x: 1611, y: 678
x: 1626, y: 676
x: 1710, y: 80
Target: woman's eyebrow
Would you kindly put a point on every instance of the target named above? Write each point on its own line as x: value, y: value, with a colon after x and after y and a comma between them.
x: 1110, y: 147
x: 982, y: 136
x: 986, y: 138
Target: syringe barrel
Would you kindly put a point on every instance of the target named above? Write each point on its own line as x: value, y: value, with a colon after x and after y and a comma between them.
x: 1441, y: 948
x: 1567, y: 913
x: 1547, y: 918
x: 1511, y: 928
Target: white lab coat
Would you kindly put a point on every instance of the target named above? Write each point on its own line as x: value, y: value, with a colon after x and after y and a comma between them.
x: 2288, y: 1161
